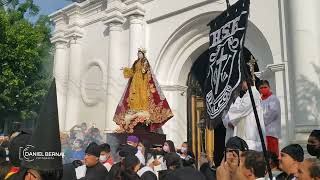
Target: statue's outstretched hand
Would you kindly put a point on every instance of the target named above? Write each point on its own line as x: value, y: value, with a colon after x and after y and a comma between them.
x: 127, y: 72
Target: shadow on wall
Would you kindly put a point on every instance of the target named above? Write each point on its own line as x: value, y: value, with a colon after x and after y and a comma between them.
x: 308, y: 96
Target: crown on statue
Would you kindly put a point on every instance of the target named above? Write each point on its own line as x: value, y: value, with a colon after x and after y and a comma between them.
x: 143, y: 50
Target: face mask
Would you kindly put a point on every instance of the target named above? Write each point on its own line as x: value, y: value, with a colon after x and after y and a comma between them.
x: 265, y: 91
x: 166, y: 148
x: 184, y: 149
x: 103, y: 158
x: 313, y: 150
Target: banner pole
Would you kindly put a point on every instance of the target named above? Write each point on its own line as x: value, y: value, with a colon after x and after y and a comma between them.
x: 263, y: 144
x: 246, y: 74
x: 228, y: 3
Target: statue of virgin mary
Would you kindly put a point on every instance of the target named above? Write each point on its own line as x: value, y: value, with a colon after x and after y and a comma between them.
x: 143, y: 101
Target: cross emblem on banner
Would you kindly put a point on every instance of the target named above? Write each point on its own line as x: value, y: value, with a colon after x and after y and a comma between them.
x: 218, y: 75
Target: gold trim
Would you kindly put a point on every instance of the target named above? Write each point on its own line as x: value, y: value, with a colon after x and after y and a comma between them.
x: 194, y: 120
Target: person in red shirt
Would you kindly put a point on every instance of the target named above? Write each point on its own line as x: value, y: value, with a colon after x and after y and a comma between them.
x: 271, y: 115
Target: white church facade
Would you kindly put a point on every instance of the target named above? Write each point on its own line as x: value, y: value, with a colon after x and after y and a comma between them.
x: 96, y: 38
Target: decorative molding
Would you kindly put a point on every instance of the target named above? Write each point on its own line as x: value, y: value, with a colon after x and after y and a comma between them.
x: 134, y: 7
x: 146, y: 1
x: 72, y: 9
x: 74, y: 33
x: 57, y: 18
x: 306, y: 128
x: 136, y: 19
x: 174, y: 88
x: 58, y: 39
x: 276, y: 67
x: 94, y: 86
x: 270, y: 70
x: 92, y: 5
x: 115, y: 17
x: 115, y: 5
x: 180, y: 11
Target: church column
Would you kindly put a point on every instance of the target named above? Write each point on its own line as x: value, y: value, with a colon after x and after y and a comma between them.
x: 61, y: 77
x: 176, y: 127
x: 115, y: 80
x: 303, y: 53
x: 60, y: 69
x: 74, y: 34
x: 73, y: 96
x: 136, y: 36
x: 135, y: 12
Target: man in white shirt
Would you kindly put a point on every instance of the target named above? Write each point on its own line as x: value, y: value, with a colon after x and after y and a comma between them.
x: 240, y: 120
x: 272, y: 116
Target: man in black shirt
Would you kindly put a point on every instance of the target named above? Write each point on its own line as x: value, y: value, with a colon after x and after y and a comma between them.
x: 94, y: 169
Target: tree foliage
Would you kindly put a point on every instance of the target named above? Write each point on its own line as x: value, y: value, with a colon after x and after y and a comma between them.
x: 25, y: 59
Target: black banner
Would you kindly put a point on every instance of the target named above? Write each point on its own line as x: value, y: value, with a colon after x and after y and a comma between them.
x: 227, y: 36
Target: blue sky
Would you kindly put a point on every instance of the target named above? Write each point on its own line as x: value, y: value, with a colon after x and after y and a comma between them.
x: 49, y: 6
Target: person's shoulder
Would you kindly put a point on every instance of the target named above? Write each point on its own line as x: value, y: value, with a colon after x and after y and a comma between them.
x: 148, y: 175
x: 101, y: 167
x: 274, y: 97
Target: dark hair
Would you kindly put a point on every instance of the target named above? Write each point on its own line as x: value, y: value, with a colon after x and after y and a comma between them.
x: 171, y: 145
x: 264, y: 82
x: 186, y: 143
x: 173, y: 160
x: 144, y: 55
x: 255, y: 162
x: 274, y: 158
x: 51, y: 175
x: 316, y: 133
x: 105, y: 147
x: 237, y: 143
x: 314, y: 168
x: 126, y: 171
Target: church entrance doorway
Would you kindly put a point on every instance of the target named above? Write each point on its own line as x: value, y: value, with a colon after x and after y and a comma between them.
x: 202, y: 136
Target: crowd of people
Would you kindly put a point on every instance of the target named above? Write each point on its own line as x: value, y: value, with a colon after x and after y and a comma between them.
x: 166, y: 162
x: 75, y: 142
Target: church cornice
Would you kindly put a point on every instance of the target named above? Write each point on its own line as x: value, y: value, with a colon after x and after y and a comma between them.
x: 174, y: 88
x: 58, y: 39
x: 134, y: 7
x: 276, y: 67
x: 115, y: 17
x: 74, y: 32
x: 270, y: 70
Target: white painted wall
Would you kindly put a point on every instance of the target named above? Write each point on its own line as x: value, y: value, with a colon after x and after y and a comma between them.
x: 175, y: 34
